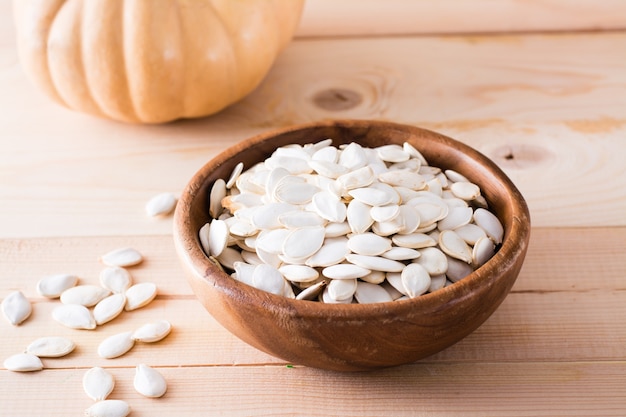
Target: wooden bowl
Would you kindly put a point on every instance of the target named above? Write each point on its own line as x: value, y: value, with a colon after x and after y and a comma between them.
x: 354, y: 337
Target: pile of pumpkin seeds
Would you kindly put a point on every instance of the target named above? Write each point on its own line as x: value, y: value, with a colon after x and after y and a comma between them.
x: 348, y: 224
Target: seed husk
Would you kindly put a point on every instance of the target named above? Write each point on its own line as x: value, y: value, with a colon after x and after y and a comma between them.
x: 23, y: 362
x: 108, y: 408
x: 74, y: 316
x: 152, y: 332
x: 98, y: 383
x: 149, y: 382
x: 116, y: 345
x: 115, y: 279
x: 16, y: 308
x: 122, y: 257
x: 52, y: 286
x: 50, y: 347
x: 109, y: 308
x: 86, y: 295
x: 161, y: 204
x: 140, y: 295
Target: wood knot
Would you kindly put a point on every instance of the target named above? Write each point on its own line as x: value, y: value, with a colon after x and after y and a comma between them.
x: 521, y: 156
x: 337, y: 99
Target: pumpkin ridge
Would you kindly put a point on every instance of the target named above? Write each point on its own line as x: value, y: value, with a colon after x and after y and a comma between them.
x: 46, y: 73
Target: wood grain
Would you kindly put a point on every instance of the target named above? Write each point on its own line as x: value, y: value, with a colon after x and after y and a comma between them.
x: 425, y: 389
x: 377, y: 17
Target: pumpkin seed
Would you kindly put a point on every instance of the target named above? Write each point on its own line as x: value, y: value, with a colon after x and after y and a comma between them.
x: 23, y: 362
x: 470, y: 233
x: 457, y: 217
x: 299, y: 273
x: 303, y: 243
x: 372, y: 196
x: 414, y: 240
x: 229, y: 256
x: 86, y: 295
x: 483, y: 251
x: 329, y: 207
x: 437, y: 282
x: 353, y: 156
x: 272, y: 240
x: 326, y: 153
x: 394, y: 279
x: 403, y: 178
x: 218, y: 192
x: 455, y: 176
x: 234, y: 175
x: 297, y: 219
x: 453, y: 245
x: 392, y: 153
x: 398, y: 253
x: 16, y: 308
x: 98, y: 383
x: 50, y: 347
x: 312, y: 292
x: 370, y: 293
x: 161, y: 204
x: 115, y: 279
x: 109, y: 308
x: 490, y: 224
x: 294, y: 192
x: 218, y: 237
x: 74, y: 316
x: 414, y: 153
x: 53, y: 285
x: 333, y: 251
x: 140, y: 295
x: 328, y: 169
x: 434, y: 260
x: 152, y: 332
x: 345, y: 271
x: 465, y: 190
x: 243, y: 272
x: 122, y: 257
x: 369, y: 244
x: 108, y: 408
x: 326, y: 298
x: 116, y: 345
x: 457, y: 270
x: 415, y: 280
x: 358, y: 216
x: 268, y: 278
x: 358, y: 178
x: 149, y: 382
x: 382, y: 213
x: 266, y: 217
x: 375, y: 263
x: 203, y: 235
x: 335, y: 229
x: 341, y: 289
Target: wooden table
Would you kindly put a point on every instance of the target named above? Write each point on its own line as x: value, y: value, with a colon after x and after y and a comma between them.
x: 538, y: 86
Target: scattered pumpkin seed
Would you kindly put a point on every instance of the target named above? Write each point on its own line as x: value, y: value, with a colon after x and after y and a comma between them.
x: 149, y: 382
x: 16, y: 308
x: 85, y: 295
x: 98, y: 383
x: 161, y: 204
x: 122, y: 257
x: 116, y: 345
x: 140, y: 295
x: 52, y: 286
x: 152, y: 332
x: 50, y: 347
x: 23, y: 362
x: 108, y: 408
x: 74, y: 316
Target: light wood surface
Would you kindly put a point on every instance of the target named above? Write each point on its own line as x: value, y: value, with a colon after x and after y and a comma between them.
x: 549, y: 108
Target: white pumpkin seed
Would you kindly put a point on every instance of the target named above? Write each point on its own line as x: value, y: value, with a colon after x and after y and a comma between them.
x: 268, y: 278
x: 403, y: 178
x: 115, y: 279
x: 109, y: 308
x: 437, y: 282
x: 341, y: 289
x: 453, y: 245
x: 345, y: 271
x: 398, y: 253
x: 326, y: 298
x: 455, y: 176
x: 353, y: 156
x: 434, y: 260
x: 108, y: 408
x: 483, y: 251
x: 375, y: 263
x: 53, y: 285
x: 358, y: 216
x: 329, y: 207
x: 328, y: 169
x: 86, y: 295
x: 457, y: 270
x: 372, y: 196
x: 23, y: 362
x: 74, y: 316
x: 266, y: 217
x: 270, y: 259
x: 383, y: 213
x: 337, y: 229
x: 218, y: 192
x: 303, y: 243
x: 470, y: 233
x: 116, y: 345
x: 408, y: 218
x: 394, y: 279
x: 297, y: 219
x: 149, y: 382
x: 370, y: 293
x: 241, y: 228
x: 243, y: 272
x: 140, y: 295
x: 374, y: 277
x: 457, y: 217
x: 465, y: 190
x: 415, y: 280
x: 326, y: 153
x: 299, y: 273
x: 272, y: 240
x: 152, y: 332
x: 229, y: 256
x: 333, y: 251
x: 393, y: 293
x: 294, y: 193
x: 414, y: 240
x: 16, y: 308
x: 392, y: 153
x: 312, y: 292
x: 203, y: 235
x: 50, y: 347
x: 122, y: 257
x: 161, y: 204
x: 98, y: 383
x: 234, y: 175
x: 369, y: 244
x: 218, y: 237
x: 490, y: 224
x: 358, y: 178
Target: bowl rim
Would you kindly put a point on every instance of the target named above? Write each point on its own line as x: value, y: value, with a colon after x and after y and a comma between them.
x: 509, y: 251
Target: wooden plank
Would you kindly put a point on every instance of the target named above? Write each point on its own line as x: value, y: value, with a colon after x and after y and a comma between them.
x: 568, y: 303
x: 489, y: 389
x: 393, y: 17
x: 554, y: 119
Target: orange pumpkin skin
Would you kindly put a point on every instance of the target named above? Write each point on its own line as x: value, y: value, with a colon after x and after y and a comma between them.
x: 151, y: 61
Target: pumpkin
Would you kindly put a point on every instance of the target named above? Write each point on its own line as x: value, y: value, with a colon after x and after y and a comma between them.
x: 151, y: 61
